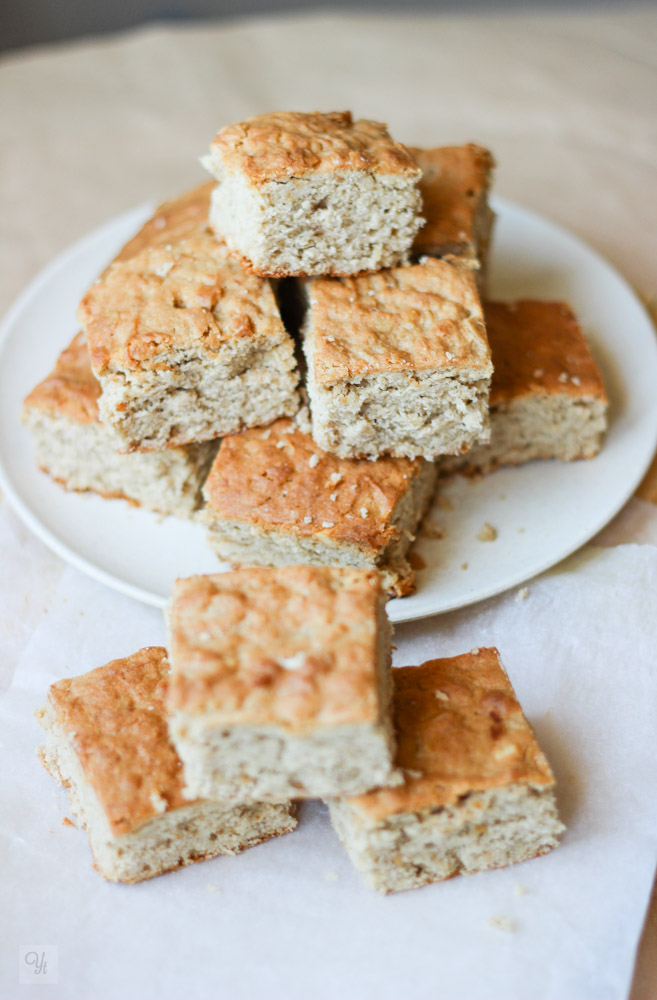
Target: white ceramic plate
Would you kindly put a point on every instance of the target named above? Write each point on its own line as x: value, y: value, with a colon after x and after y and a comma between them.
x: 542, y: 511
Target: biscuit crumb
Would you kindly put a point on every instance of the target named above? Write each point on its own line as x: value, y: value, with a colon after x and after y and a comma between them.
x: 539, y: 373
x: 441, y: 695
x: 307, y: 519
x: 328, y: 524
x: 266, y: 434
x: 281, y: 444
x: 313, y: 461
x: 333, y: 497
x: 335, y: 478
x: 444, y: 503
x: 563, y: 376
x: 522, y: 594
x: 363, y: 512
x: 433, y: 531
x: 413, y: 774
x: 502, y: 924
x: 464, y: 565
x: 575, y: 379
x: 488, y: 533
x: 416, y: 561
x: 520, y: 890
x: 331, y: 876
x: 68, y: 822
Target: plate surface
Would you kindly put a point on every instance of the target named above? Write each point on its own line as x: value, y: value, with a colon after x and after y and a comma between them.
x: 542, y: 511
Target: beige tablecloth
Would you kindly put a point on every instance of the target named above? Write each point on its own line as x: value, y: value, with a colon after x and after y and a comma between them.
x: 567, y: 103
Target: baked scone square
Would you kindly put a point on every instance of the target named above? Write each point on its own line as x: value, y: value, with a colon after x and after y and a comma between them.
x: 547, y: 397
x: 458, y: 219
x: 107, y: 740
x: 187, y: 346
x: 280, y: 683
x: 478, y: 791
x: 307, y: 194
x: 398, y: 362
x: 78, y: 451
x: 274, y: 498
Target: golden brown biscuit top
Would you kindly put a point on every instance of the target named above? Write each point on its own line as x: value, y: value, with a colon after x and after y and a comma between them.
x: 187, y: 296
x: 454, y: 180
x: 288, y: 144
x: 292, y: 647
x: 114, y: 719
x: 173, y: 221
x: 71, y: 389
x: 424, y: 317
x: 278, y: 478
x: 459, y: 730
x: 539, y: 347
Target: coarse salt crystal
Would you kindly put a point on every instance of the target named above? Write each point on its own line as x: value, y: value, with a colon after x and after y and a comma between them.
x: 295, y: 662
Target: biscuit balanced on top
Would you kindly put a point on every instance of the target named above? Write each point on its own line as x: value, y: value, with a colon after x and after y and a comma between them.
x: 309, y: 194
x: 398, y: 362
x: 280, y: 683
x: 186, y: 344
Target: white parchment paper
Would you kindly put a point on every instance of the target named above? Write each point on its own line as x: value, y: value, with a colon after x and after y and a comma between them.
x: 291, y: 918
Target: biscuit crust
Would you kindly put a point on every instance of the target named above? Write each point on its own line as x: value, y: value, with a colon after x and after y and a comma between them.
x: 454, y: 187
x: 287, y: 144
x: 460, y: 729
x: 114, y: 718
x: 294, y: 647
x: 423, y: 317
x: 279, y: 478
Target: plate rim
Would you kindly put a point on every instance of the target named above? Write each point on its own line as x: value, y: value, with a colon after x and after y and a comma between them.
x: 136, y: 216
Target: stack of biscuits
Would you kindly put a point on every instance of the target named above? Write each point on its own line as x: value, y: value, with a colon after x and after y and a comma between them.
x: 293, y: 352
x: 277, y: 687
x: 326, y: 265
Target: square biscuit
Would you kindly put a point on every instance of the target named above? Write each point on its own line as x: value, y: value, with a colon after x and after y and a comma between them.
x: 78, y: 451
x: 547, y: 397
x: 274, y: 498
x: 398, y: 362
x: 458, y: 219
x: 280, y: 683
x: 107, y: 741
x: 308, y: 194
x: 185, y: 344
x: 478, y: 791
